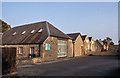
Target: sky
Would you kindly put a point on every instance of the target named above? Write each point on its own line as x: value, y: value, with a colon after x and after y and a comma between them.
x: 96, y: 19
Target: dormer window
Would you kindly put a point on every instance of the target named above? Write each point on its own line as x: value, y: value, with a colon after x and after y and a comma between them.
x: 14, y: 33
x: 32, y: 31
x: 40, y: 30
x: 23, y: 32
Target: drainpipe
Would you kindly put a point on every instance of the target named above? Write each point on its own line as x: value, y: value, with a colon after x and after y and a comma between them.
x: 73, y: 49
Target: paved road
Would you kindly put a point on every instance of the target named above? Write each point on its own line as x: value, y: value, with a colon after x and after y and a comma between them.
x: 82, y: 66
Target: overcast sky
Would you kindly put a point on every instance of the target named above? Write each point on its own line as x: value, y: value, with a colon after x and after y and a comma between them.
x: 96, y: 19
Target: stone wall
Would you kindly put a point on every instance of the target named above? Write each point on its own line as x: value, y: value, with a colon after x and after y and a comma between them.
x: 48, y: 55
x: 70, y: 48
x: 86, y: 47
x: 77, y: 46
x: 114, y: 48
x: 26, y: 50
x: 99, y: 49
x: 45, y: 55
x: 104, y: 53
x: 0, y: 38
x: 93, y: 45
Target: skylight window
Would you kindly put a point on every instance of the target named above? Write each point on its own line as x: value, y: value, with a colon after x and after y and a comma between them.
x: 14, y: 33
x: 32, y: 31
x: 23, y: 32
x: 40, y: 30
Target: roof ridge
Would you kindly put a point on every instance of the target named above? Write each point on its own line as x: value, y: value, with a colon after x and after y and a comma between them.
x: 28, y: 24
x: 73, y: 33
x: 48, y: 30
x: 50, y: 25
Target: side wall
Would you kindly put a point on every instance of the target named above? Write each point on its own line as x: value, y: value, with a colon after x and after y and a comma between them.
x: 26, y: 50
x: 77, y: 46
x: 45, y: 55
x: 49, y: 55
x: 93, y: 45
x: 70, y: 48
x: 86, y: 45
x: 99, y: 47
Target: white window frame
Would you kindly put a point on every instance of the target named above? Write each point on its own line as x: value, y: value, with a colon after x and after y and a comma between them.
x: 62, y: 52
x: 20, y: 50
x: 31, y: 49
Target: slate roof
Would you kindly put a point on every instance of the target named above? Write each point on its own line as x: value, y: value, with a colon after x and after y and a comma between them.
x: 74, y: 35
x: 32, y: 38
x: 97, y: 42
x: 90, y: 38
x: 105, y: 42
x: 83, y: 37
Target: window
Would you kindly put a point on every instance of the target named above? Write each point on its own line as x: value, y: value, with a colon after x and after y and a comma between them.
x: 20, y: 50
x: 47, y: 46
x: 23, y: 32
x: 62, y: 48
x: 40, y: 30
x: 32, y: 31
x: 32, y: 50
x: 14, y: 33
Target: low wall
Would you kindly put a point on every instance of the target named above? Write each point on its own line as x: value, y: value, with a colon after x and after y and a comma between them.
x: 104, y: 53
x: 26, y: 61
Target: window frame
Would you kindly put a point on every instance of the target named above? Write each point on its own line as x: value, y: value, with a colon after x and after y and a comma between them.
x: 20, y: 50
x: 62, y: 44
x: 33, y: 50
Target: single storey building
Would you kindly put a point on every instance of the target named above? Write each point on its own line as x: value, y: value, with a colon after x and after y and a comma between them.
x: 77, y: 44
x: 86, y: 43
x: 40, y: 39
x: 106, y: 45
x: 92, y: 44
x: 98, y: 46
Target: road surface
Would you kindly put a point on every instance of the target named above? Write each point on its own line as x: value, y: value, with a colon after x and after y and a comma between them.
x: 82, y: 66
